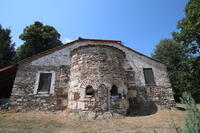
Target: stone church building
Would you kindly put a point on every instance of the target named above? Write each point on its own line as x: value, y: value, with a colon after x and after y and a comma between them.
x: 89, y: 75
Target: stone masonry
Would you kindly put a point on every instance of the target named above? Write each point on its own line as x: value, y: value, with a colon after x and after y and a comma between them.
x: 23, y: 98
x: 93, y: 79
x: 100, y: 67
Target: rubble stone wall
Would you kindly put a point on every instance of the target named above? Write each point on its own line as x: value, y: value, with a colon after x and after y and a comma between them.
x: 100, y: 67
x: 143, y: 95
x: 23, y: 98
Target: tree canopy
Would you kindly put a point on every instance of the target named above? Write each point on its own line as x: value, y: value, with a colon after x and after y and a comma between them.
x: 7, y: 50
x: 189, y: 26
x: 37, y: 38
x: 189, y: 36
x: 171, y: 53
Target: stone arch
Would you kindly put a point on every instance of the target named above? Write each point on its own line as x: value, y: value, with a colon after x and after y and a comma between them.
x: 74, y: 50
x: 120, y: 85
x: 95, y: 83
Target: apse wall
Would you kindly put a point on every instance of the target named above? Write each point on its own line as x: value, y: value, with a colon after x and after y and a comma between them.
x: 95, y: 70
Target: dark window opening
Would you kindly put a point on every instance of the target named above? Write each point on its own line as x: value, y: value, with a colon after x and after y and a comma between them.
x: 44, y: 83
x: 89, y: 91
x: 114, y: 91
x: 149, y: 77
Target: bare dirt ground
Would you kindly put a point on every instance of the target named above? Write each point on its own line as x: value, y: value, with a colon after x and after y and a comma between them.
x: 40, y: 122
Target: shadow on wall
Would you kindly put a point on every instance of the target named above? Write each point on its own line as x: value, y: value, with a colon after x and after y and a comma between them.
x: 142, y: 109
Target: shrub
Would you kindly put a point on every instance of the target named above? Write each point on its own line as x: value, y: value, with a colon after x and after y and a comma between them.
x: 192, y: 120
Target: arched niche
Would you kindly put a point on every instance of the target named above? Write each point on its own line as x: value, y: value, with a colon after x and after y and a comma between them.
x: 114, y: 90
x: 89, y: 91
x: 95, y: 83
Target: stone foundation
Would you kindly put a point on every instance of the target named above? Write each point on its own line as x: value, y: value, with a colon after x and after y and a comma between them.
x: 89, y: 115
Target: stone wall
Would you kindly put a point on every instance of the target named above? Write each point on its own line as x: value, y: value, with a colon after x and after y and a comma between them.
x: 159, y: 95
x: 100, y: 67
x: 23, y: 98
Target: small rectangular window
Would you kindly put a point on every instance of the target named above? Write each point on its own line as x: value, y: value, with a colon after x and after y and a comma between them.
x: 149, y: 77
x: 44, y: 83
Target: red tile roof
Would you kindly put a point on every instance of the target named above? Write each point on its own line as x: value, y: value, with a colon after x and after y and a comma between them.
x: 99, y: 40
x: 8, y: 67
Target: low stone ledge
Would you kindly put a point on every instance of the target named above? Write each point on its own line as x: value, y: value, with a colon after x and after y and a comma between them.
x: 90, y: 116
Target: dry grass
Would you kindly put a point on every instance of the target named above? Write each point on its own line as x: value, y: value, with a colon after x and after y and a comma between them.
x: 37, y: 122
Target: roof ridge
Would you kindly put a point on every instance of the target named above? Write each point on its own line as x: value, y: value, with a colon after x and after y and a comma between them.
x: 103, y: 40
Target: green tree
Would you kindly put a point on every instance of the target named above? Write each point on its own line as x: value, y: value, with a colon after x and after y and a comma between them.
x: 189, y: 36
x: 37, y: 38
x: 189, y: 26
x: 191, y: 80
x: 171, y: 53
x: 7, y: 50
x: 174, y: 55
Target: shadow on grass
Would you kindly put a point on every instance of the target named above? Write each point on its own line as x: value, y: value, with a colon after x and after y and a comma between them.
x: 142, y: 109
x: 181, y: 108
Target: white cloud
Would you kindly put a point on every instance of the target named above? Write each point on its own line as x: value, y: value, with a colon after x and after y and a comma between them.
x: 66, y: 40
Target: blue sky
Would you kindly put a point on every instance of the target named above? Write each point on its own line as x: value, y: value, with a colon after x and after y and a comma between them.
x: 140, y: 24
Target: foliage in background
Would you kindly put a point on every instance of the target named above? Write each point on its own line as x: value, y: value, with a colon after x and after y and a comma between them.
x: 189, y: 27
x: 171, y: 53
x: 189, y: 36
x: 192, y: 120
x: 192, y: 78
x: 37, y: 38
x: 7, y: 50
